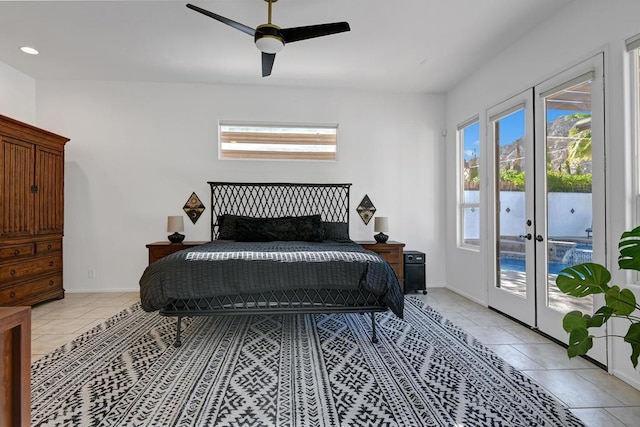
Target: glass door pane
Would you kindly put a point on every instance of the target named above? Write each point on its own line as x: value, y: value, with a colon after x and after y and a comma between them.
x: 569, y: 191
x: 511, y: 288
x: 511, y: 233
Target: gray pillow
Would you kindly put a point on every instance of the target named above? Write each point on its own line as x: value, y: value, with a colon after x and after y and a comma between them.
x: 227, y: 226
x: 338, y: 231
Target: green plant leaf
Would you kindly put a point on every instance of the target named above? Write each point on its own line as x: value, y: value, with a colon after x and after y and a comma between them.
x: 589, y: 279
x: 583, y: 279
x: 599, y: 318
x: 623, y: 302
x: 580, y: 342
x: 629, y: 247
x: 574, y: 320
x: 633, y: 338
x: 577, y: 320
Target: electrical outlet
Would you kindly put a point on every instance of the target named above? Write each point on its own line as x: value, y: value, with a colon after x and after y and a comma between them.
x: 92, y: 273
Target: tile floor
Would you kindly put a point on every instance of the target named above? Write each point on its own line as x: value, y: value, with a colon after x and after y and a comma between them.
x: 57, y: 322
x: 603, y: 401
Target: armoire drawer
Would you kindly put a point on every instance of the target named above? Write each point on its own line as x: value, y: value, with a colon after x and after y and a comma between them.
x: 15, y: 294
x: 31, y: 267
x: 16, y: 251
x: 48, y: 246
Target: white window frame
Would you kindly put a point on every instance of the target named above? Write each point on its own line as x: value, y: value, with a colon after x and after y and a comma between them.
x: 462, y: 204
x: 633, y: 49
x: 635, y: 121
x: 318, y: 142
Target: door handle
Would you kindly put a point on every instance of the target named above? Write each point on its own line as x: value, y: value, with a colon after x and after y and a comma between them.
x: 528, y: 236
x: 539, y: 238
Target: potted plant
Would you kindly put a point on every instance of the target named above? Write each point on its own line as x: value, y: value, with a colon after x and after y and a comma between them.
x: 591, y: 279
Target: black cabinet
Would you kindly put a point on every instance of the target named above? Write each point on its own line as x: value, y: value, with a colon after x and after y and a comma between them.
x: 414, y: 272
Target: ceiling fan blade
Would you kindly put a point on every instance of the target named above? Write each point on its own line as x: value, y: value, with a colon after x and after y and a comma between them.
x: 267, y: 63
x: 309, y: 32
x: 229, y: 22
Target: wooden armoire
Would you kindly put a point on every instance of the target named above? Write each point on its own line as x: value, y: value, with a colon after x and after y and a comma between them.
x: 32, y: 216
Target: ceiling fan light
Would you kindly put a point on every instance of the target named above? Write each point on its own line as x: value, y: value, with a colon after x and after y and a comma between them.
x: 270, y: 44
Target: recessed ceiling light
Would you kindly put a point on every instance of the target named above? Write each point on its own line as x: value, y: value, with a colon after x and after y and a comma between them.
x: 29, y: 50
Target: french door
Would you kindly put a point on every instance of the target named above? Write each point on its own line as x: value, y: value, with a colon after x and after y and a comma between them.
x: 548, y: 196
x: 511, y: 134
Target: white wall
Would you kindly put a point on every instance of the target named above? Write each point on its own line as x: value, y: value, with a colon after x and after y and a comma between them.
x: 17, y: 95
x: 572, y: 35
x: 138, y: 151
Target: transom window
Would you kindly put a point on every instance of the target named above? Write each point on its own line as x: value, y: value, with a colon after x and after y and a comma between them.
x: 273, y: 141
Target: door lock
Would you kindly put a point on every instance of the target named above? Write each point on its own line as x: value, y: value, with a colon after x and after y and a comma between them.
x: 539, y: 238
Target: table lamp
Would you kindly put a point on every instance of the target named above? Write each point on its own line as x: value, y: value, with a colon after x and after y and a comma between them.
x: 175, y: 224
x: 381, y: 224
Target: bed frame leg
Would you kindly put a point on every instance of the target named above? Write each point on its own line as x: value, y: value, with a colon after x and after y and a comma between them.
x: 374, y: 338
x: 178, y: 342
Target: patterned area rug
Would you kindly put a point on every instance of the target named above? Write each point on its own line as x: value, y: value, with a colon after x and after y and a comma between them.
x: 285, y: 370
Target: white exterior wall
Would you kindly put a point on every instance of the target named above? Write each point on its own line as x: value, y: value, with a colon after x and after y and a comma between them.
x: 564, y: 222
x: 581, y: 30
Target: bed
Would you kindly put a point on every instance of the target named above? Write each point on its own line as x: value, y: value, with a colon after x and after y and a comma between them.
x: 276, y: 248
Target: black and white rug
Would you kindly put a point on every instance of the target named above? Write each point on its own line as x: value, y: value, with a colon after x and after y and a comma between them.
x: 285, y: 370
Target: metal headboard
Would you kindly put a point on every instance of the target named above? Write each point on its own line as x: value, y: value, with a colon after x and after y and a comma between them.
x: 269, y: 200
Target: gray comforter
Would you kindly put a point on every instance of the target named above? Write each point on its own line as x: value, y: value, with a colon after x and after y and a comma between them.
x: 225, y: 267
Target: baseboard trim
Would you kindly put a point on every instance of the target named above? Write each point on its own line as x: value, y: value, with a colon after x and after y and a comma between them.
x: 100, y: 291
x: 467, y: 296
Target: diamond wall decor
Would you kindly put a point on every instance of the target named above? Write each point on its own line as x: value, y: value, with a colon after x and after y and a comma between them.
x: 366, y: 209
x: 193, y: 208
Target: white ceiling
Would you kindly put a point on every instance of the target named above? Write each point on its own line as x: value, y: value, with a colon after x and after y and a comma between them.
x: 400, y: 45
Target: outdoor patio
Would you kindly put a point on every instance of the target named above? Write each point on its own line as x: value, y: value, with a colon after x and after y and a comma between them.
x: 562, y: 252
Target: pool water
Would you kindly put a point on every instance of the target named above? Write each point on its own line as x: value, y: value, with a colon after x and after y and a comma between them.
x: 580, y: 254
x: 518, y: 264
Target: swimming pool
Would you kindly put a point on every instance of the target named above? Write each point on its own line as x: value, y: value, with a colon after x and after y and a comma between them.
x: 518, y: 264
x: 581, y: 253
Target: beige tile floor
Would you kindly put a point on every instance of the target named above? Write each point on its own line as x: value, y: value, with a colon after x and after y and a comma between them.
x: 603, y: 400
x: 57, y: 322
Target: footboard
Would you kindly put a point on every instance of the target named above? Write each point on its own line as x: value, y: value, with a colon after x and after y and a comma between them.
x: 282, y: 302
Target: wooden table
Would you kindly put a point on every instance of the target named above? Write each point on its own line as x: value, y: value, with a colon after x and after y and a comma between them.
x: 15, y: 366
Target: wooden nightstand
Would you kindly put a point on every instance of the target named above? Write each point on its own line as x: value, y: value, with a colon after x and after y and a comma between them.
x: 158, y: 250
x: 392, y: 253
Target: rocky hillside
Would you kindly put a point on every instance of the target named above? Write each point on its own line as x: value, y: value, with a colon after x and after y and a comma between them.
x: 560, y: 146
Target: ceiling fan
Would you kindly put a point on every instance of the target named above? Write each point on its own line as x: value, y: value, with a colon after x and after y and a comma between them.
x: 270, y: 38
